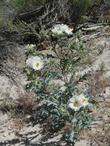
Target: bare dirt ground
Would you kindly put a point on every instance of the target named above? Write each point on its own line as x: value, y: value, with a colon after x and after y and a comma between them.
x: 12, y: 81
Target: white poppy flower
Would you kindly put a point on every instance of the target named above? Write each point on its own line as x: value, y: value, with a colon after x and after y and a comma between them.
x: 30, y: 46
x: 77, y: 102
x: 60, y: 29
x: 35, y: 62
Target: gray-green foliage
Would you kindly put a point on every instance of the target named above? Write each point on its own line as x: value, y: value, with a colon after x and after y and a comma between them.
x: 70, y: 54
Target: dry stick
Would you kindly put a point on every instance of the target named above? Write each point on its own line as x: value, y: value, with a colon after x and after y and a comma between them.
x: 30, y: 14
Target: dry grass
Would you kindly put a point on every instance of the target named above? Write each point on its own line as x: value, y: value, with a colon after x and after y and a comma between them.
x: 26, y: 102
x: 19, y: 110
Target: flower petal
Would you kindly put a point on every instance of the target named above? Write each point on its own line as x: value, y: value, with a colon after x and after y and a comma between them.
x: 35, y: 62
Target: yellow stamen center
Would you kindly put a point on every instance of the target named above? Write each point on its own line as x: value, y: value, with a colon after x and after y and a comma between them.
x: 37, y: 64
x: 76, y: 103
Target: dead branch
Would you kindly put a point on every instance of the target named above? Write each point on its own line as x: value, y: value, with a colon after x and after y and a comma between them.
x: 30, y: 15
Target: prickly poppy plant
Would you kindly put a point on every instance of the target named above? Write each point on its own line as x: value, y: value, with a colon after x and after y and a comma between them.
x: 52, y: 75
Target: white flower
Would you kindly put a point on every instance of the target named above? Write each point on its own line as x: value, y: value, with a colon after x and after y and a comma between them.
x: 30, y: 46
x: 77, y: 102
x: 60, y: 29
x: 35, y: 62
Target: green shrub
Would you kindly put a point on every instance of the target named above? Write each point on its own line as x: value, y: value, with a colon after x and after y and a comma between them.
x: 78, y: 9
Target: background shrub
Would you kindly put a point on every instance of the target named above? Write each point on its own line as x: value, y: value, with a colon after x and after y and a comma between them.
x: 24, y: 4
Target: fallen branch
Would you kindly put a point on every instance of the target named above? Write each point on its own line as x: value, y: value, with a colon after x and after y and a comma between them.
x: 29, y: 15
